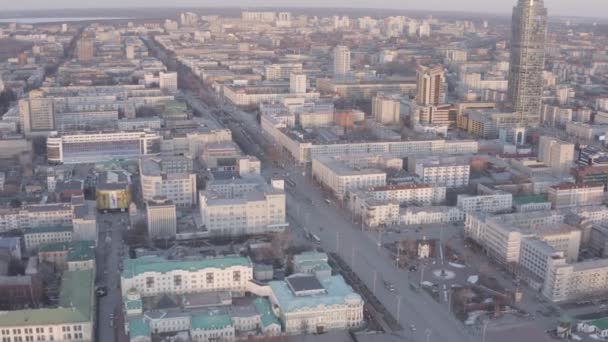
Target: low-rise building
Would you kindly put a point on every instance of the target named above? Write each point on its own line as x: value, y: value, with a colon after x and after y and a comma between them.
x: 153, y: 275
x: 113, y: 191
x: 72, y: 256
x: 307, y: 304
x: 340, y: 178
x: 572, y: 195
x: 72, y: 320
x: 74, y: 148
x: 42, y: 236
x: 430, y: 215
x: 493, y: 203
x: 452, y: 172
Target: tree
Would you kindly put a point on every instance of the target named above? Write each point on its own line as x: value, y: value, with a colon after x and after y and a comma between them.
x: 15, y: 203
x: 39, y: 146
x: 6, y: 98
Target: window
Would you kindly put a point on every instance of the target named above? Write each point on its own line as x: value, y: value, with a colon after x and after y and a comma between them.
x: 177, y: 280
x: 209, y: 278
x: 236, y: 276
x: 149, y: 282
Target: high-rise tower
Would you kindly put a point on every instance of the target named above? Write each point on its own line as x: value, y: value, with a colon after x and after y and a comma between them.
x: 341, y: 60
x: 529, y: 31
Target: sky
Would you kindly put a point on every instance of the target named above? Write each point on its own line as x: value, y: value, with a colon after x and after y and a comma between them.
x: 583, y: 8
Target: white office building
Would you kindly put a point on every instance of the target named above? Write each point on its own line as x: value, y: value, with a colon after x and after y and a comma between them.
x: 168, y: 81
x: 244, y: 210
x: 178, y: 187
x: 340, y: 178
x: 161, y: 218
x: 452, y: 172
x: 494, y: 203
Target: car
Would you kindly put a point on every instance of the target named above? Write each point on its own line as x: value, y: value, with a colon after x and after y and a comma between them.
x: 389, y: 286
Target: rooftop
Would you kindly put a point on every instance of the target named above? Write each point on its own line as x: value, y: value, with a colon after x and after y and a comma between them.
x: 138, y: 327
x: 134, y: 267
x: 262, y: 305
x: 523, y: 200
x: 337, y: 292
x: 75, y: 304
x: 210, y: 321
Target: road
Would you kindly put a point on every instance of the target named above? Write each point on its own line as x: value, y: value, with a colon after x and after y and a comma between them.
x: 373, y: 265
x: 110, y: 246
x: 431, y: 320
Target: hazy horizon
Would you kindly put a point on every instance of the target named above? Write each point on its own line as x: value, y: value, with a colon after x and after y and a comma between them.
x: 583, y: 8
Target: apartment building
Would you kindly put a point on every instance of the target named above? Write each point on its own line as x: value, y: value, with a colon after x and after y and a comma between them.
x: 380, y: 205
x: 555, y: 153
x: 493, y: 203
x: 42, y: 236
x: 304, y: 151
x: 430, y: 215
x: 273, y: 72
x: 386, y: 110
x: 168, y: 81
x: 573, y: 195
x: 449, y: 172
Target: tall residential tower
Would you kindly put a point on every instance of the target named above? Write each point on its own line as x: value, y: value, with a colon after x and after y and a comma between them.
x: 529, y: 30
x: 341, y: 61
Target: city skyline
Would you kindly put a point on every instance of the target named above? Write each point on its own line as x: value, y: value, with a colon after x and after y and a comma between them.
x: 583, y: 8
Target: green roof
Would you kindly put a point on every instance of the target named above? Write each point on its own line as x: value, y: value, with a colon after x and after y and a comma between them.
x: 75, y: 300
x: 210, y: 321
x: 600, y: 324
x: 262, y: 306
x: 134, y: 267
x: 521, y: 200
x: 77, y: 250
x: 133, y: 304
x: 138, y: 327
x: 54, y: 229
x: 81, y: 251
x: 54, y: 247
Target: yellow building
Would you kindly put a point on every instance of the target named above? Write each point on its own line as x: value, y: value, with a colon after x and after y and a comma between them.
x: 113, y: 191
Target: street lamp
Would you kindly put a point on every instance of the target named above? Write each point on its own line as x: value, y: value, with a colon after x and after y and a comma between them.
x: 428, y: 332
x: 398, y: 308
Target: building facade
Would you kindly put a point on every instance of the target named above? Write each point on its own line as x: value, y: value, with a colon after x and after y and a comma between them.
x: 528, y: 32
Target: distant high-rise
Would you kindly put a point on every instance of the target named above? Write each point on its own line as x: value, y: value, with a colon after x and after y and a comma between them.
x: 386, y: 110
x: 85, y: 49
x: 341, y: 60
x: 431, y: 86
x: 529, y: 30
x: 37, y: 114
x: 297, y: 83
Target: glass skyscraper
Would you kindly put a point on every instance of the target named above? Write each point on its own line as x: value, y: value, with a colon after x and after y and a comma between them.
x: 529, y: 31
